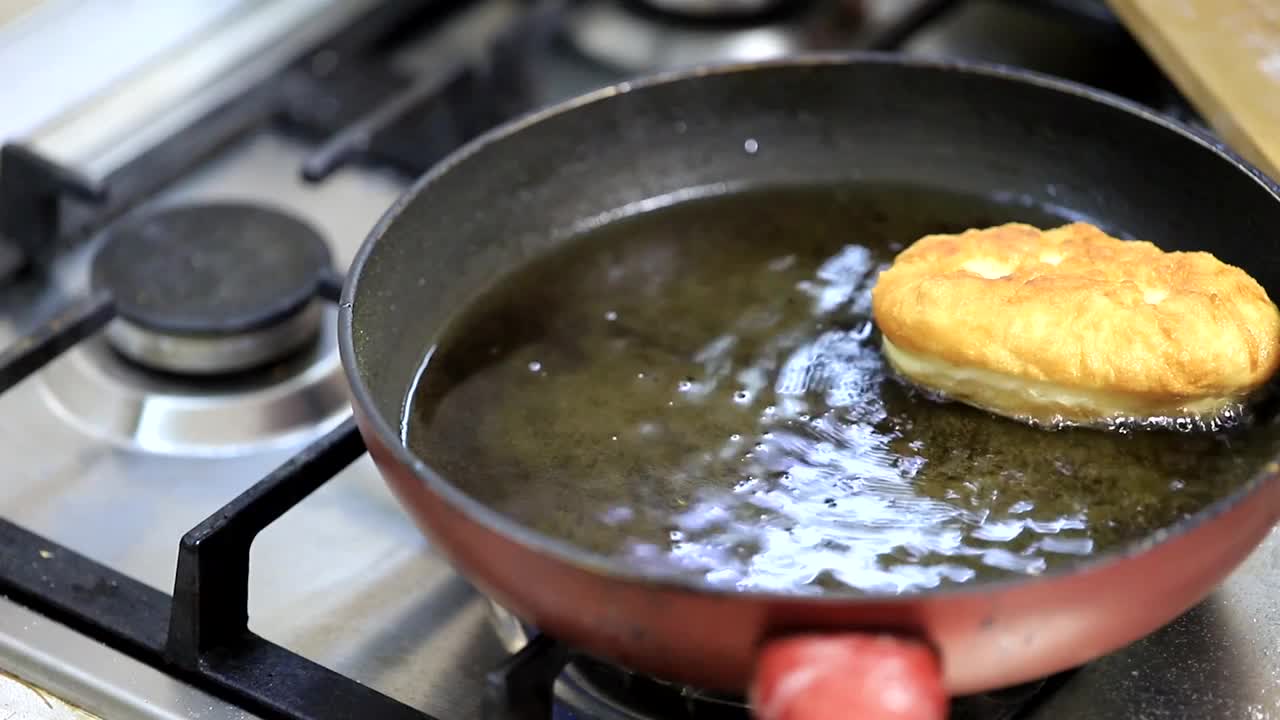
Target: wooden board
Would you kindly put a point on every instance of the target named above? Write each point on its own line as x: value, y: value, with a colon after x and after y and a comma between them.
x: 14, y: 9
x: 1224, y: 55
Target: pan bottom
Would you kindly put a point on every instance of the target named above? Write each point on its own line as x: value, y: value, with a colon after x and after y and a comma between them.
x: 591, y: 688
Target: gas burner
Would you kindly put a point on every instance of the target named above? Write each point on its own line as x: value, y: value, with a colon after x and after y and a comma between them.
x: 720, y: 11
x: 106, y: 396
x: 638, y: 696
x: 220, y: 346
x: 640, y: 36
x: 591, y: 688
x: 212, y: 289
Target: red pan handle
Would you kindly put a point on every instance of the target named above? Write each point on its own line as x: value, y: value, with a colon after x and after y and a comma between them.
x: 848, y: 676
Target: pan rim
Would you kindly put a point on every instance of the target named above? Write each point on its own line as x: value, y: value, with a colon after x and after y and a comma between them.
x: 600, y: 565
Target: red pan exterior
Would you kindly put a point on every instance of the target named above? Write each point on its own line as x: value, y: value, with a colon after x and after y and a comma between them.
x: 987, y: 638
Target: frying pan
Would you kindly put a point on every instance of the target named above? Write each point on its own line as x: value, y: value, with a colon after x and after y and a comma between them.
x: 512, y: 194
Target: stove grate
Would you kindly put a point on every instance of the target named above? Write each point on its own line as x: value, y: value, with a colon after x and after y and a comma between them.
x: 201, y: 633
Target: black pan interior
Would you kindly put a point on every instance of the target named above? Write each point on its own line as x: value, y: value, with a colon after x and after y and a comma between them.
x: 840, y: 155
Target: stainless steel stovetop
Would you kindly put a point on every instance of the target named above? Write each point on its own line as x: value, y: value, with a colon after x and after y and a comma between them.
x: 117, y: 463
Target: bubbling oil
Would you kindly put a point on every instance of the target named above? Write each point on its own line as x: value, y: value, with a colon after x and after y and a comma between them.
x: 1224, y: 419
x: 698, y: 391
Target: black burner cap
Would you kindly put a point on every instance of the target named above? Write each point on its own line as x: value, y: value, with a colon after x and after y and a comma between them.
x: 215, y: 269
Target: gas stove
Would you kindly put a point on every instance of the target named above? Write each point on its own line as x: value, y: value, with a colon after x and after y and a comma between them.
x: 189, y: 526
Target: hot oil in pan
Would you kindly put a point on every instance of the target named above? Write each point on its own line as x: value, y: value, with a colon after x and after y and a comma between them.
x: 698, y: 390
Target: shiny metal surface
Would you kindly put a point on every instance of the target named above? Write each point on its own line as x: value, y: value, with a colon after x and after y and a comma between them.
x: 94, y: 389
x: 168, y: 91
x: 345, y: 579
x: 112, y: 41
x: 64, y: 676
x: 214, y: 355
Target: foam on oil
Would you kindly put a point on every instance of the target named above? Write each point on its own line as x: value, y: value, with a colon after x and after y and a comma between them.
x: 699, y: 391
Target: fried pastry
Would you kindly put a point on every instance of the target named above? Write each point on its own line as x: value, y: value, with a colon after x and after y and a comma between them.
x: 1071, y: 325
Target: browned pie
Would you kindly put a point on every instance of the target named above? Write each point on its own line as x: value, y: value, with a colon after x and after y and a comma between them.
x: 1071, y: 324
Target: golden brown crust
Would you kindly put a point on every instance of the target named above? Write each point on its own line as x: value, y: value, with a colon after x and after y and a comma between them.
x: 1079, y: 309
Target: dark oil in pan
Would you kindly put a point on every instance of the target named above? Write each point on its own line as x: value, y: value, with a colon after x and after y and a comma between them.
x: 698, y: 391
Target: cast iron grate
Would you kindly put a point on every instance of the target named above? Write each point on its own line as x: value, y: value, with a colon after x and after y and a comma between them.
x: 200, y: 633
